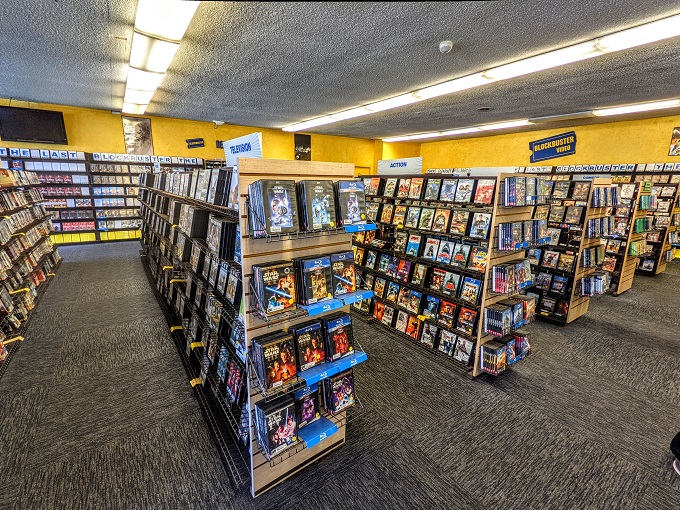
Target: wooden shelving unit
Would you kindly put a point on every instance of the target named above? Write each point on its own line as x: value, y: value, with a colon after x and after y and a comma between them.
x: 578, y: 304
x: 267, y: 473
x: 663, y: 245
x: 495, y: 257
x: 628, y: 262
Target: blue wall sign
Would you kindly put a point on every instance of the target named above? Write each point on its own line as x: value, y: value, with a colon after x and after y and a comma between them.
x: 553, y: 147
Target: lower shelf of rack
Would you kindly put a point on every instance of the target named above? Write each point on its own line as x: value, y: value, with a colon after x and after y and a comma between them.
x: 266, y: 477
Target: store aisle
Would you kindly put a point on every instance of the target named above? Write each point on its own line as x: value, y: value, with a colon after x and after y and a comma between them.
x: 96, y: 412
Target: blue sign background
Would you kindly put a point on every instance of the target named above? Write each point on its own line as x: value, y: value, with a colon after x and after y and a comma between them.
x: 553, y: 147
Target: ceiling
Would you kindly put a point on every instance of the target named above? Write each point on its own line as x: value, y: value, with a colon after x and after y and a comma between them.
x: 274, y: 64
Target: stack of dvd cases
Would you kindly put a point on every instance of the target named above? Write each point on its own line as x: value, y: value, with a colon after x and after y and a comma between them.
x: 317, y: 205
x: 274, y: 207
x: 344, y: 273
x: 221, y: 237
x: 274, y: 359
x: 338, y: 391
x: 338, y: 335
x: 193, y: 222
x: 274, y: 287
x: 276, y: 425
x: 351, y: 202
x: 307, y: 405
x: 313, y: 279
x: 218, y: 192
x: 309, y: 344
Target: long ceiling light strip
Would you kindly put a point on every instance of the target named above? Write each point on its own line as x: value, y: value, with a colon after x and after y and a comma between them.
x: 635, y: 108
x: 159, y: 28
x: 622, y: 40
x: 600, y: 112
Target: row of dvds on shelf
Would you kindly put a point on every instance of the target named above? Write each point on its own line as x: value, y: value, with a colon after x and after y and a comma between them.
x: 76, y: 226
x: 280, y: 286
x: 11, y: 200
x: 50, y: 166
x: 281, y: 356
x: 115, y: 179
x: 114, y: 190
x: 515, y: 191
x: 59, y: 203
x: 15, y: 178
x: 464, y: 255
x: 286, y: 206
x: 279, y: 423
x: 86, y: 214
x: 459, y: 191
x: 498, y: 355
x: 120, y: 169
x: 9, y: 225
x: 62, y: 179
x: 215, y: 186
x: 442, y: 220
x: 76, y: 191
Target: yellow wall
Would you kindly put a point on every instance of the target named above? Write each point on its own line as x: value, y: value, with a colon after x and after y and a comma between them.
x: 400, y: 150
x: 91, y: 130
x: 636, y: 141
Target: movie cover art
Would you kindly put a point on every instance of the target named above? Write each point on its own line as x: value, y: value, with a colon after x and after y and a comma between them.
x: 280, y: 209
x: 429, y: 335
x: 344, y: 275
x: 339, y: 391
x: 279, y: 288
x: 352, y: 202
x: 310, y: 346
x: 448, y: 190
x: 279, y: 359
x: 307, y: 408
x: 340, y: 338
x: 281, y: 428
x: 459, y: 222
x: 432, y: 189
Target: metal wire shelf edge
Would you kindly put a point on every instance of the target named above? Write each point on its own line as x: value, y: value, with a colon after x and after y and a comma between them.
x: 236, y: 472
x: 24, y: 326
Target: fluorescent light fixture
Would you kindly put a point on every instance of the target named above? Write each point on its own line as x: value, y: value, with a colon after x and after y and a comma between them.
x: 349, y: 114
x: 504, y: 125
x: 149, y: 54
x: 634, y: 108
x: 461, y: 131
x: 159, y: 27
x: 548, y: 60
x: 319, y: 121
x: 165, y: 19
x: 143, y: 80
x: 139, y: 109
x: 393, y: 102
x: 138, y: 96
x: 643, y: 34
x: 420, y: 136
x: 448, y: 87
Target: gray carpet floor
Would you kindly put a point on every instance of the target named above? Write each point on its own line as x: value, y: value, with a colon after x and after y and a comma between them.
x: 96, y: 412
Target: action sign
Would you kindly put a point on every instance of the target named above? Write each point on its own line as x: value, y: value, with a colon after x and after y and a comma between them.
x: 553, y: 147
